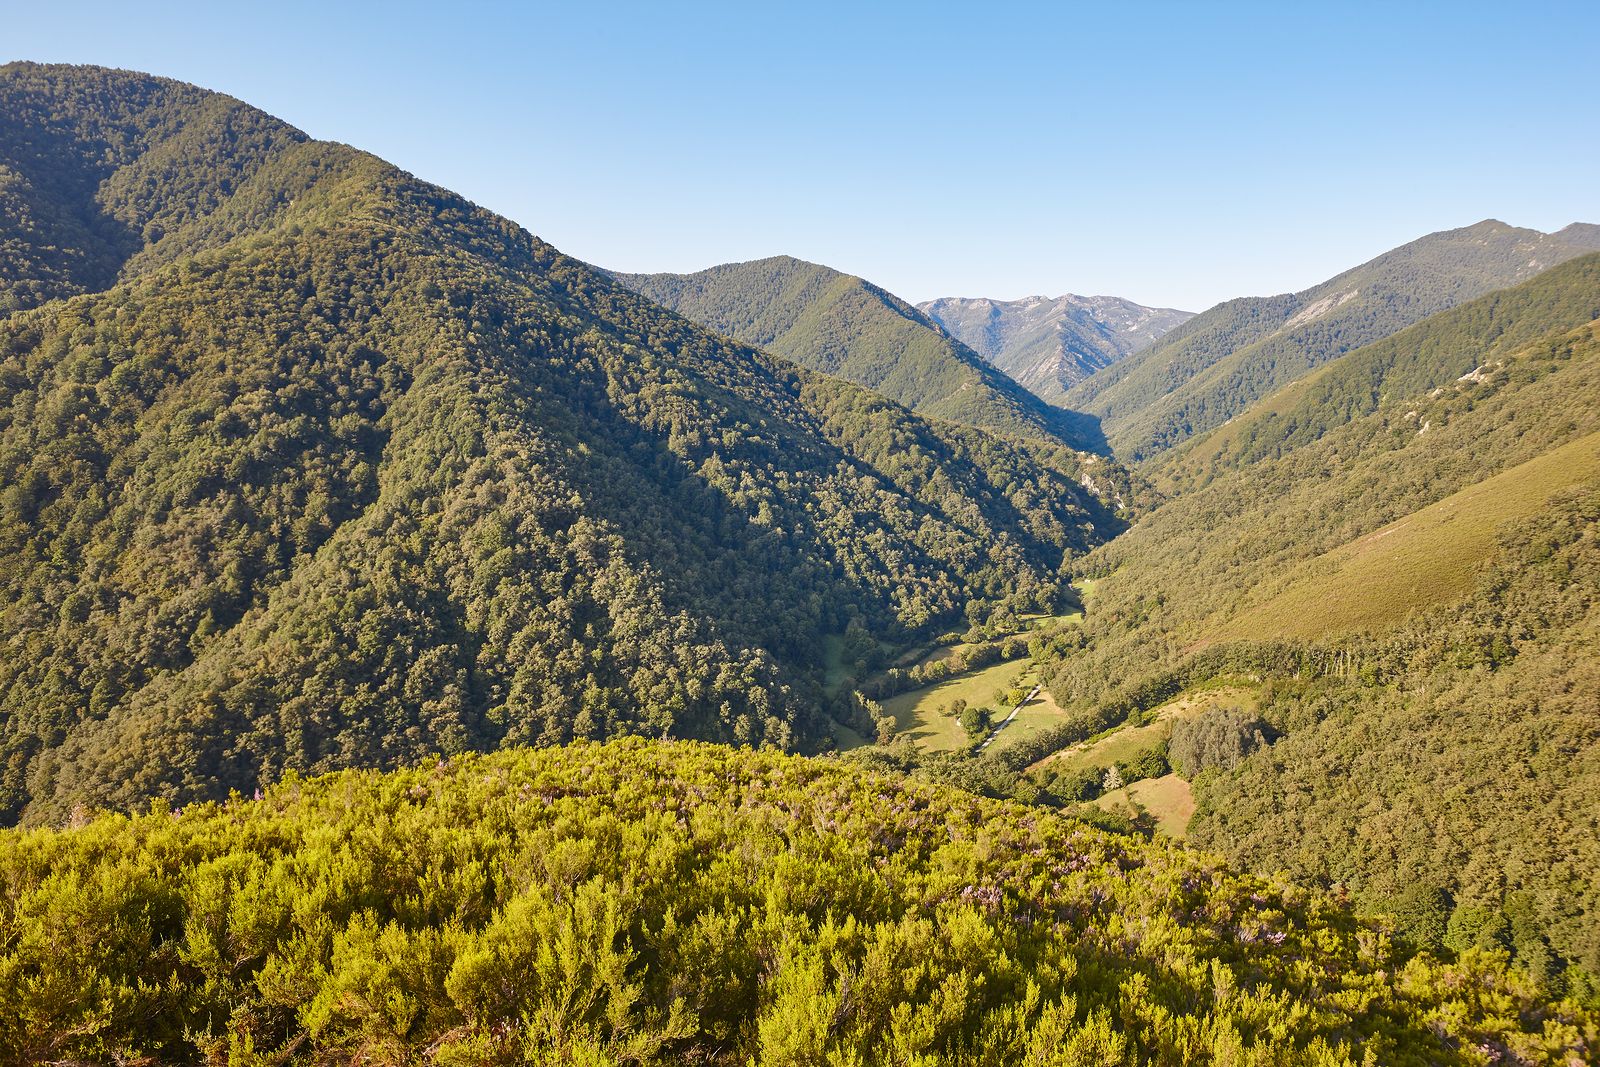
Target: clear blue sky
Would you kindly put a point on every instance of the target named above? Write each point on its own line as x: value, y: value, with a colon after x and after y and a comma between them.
x: 1175, y: 154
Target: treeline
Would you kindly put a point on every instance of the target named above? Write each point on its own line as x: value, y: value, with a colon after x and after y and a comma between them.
x: 968, y: 657
x: 1218, y: 664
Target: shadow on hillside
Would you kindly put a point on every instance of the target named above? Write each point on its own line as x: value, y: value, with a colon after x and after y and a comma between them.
x: 1084, y: 431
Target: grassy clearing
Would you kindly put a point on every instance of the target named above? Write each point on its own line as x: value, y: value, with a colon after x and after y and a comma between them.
x: 1042, y: 622
x: 917, y: 712
x: 1117, y: 746
x: 934, y: 655
x: 1424, y: 559
x: 1126, y: 742
x: 844, y: 738
x: 1038, y: 714
x: 1168, y: 799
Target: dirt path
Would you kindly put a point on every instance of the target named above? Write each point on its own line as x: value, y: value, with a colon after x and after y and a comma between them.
x: 1024, y: 702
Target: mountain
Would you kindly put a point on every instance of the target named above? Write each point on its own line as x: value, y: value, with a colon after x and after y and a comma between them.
x: 1219, y: 362
x: 309, y: 464
x: 1050, y: 345
x: 669, y: 903
x: 1393, y: 566
x: 1439, y: 353
x: 310, y: 468
x: 842, y: 325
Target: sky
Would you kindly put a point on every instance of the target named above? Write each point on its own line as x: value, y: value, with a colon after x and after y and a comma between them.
x: 1173, y: 154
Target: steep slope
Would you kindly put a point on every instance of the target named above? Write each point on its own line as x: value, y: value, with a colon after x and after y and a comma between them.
x: 1223, y: 360
x: 120, y: 174
x: 1050, y: 345
x: 342, y: 470
x: 1412, y: 589
x: 1448, y: 770
x: 646, y: 903
x: 1429, y: 557
x: 840, y: 324
x: 1440, y: 352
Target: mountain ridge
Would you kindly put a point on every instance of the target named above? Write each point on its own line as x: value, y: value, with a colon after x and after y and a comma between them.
x: 342, y: 469
x: 842, y: 324
x: 1049, y: 344
x: 1217, y: 363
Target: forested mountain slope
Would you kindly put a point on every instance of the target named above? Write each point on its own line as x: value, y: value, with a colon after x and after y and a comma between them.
x: 838, y: 323
x: 1051, y: 344
x: 310, y: 464
x: 1425, y: 649
x: 1220, y: 362
x: 1442, y: 351
x: 668, y: 903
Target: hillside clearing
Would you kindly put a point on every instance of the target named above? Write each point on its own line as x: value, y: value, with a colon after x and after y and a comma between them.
x: 917, y: 713
x: 1127, y: 742
x: 1167, y: 799
x: 1427, y: 558
x: 1040, y: 713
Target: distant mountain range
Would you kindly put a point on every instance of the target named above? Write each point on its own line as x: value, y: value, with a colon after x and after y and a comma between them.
x: 841, y: 324
x: 1216, y: 364
x: 1049, y: 344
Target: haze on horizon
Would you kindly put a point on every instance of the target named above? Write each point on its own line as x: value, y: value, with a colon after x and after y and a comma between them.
x: 1174, y: 156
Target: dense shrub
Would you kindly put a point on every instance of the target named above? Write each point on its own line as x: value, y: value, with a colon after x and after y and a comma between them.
x: 657, y: 903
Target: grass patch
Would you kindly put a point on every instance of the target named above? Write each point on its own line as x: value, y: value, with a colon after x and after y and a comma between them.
x: 1427, y: 558
x: 844, y: 738
x: 1115, y: 746
x: 937, y: 654
x: 1037, y: 715
x: 1168, y: 800
x: 1045, y: 622
x: 834, y: 671
x: 917, y: 712
x: 1123, y: 743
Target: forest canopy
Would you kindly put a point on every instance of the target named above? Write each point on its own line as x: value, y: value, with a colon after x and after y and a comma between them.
x: 309, y: 464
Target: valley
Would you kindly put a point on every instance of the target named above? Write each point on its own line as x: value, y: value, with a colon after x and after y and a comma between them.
x: 420, y: 645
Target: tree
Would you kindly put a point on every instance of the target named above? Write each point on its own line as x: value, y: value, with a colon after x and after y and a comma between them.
x: 1151, y: 763
x: 1477, y: 926
x: 1420, y: 914
x: 1218, y: 739
x: 1076, y: 786
x: 886, y: 727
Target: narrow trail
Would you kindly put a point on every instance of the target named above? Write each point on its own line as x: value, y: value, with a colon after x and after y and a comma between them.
x: 1024, y: 702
